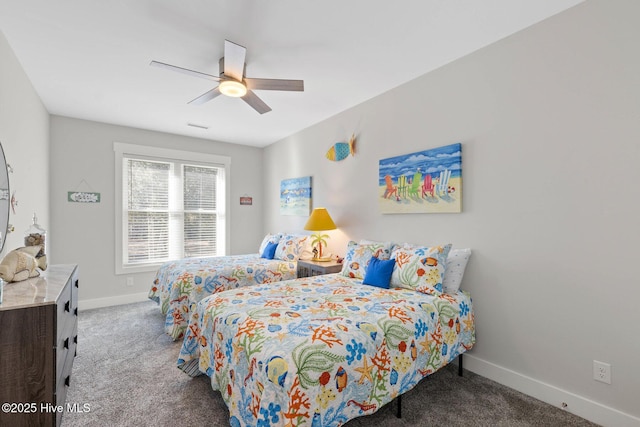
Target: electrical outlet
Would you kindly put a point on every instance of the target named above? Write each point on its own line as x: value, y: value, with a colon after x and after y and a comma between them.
x: 130, y: 284
x: 602, y: 372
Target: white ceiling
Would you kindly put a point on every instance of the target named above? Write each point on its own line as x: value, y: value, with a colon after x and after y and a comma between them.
x: 89, y: 59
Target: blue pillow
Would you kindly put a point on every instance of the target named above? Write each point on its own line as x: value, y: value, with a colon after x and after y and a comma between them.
x: 379, y: 272
x: 269, y: 251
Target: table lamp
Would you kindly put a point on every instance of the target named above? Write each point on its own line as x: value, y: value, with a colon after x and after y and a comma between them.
x: 319, y: 221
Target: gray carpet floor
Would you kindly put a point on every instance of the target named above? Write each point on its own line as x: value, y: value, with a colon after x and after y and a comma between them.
x: 125, y: 375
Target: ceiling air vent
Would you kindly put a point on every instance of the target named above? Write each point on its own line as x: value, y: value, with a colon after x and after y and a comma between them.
x: 193, y: 125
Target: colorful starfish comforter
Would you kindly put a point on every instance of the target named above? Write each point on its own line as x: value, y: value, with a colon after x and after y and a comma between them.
x: 320, y: 351
x: 179, y: 285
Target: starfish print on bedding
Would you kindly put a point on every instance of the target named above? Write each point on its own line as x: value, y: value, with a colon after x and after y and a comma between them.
x: 425, y: 343
x: 237, y: 350
x: 365, y: 371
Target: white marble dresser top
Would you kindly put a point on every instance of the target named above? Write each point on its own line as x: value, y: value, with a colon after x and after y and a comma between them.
x: 40, y: 290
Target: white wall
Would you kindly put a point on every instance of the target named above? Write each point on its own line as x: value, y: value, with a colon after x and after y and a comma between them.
x: 82, y: 159
x: 24, y: 135
x: 549, y: 120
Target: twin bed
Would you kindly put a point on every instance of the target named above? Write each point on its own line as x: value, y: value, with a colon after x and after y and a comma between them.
x: 323, y: 350
x: 180, y: 284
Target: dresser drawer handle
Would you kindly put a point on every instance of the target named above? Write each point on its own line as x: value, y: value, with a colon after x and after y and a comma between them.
x: 76, y: 284
x: 75, y: 311
x: 67, y: 381
x: 75, y: 339
x: 67, y: 306
x: 66, y: 343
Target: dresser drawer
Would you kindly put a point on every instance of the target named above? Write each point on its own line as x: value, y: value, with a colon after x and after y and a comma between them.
x: 65, y: 326
x: 74, y: 294
x: 64, y: 307
x: 63, y: 379
x: 65, y: 348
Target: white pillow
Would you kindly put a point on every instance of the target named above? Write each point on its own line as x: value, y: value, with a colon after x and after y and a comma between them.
x: 456, y: 263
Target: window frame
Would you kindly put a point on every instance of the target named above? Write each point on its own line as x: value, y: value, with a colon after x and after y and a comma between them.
x: 122, y: 150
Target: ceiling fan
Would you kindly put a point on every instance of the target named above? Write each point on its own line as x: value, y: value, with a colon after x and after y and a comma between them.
x: 233, y: 81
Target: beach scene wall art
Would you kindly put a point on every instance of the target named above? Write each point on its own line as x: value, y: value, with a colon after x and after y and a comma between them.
x: 428, y: 181
x: 295, y: 196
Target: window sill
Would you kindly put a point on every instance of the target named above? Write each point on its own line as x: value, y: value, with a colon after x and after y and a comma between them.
x: 144, y: 268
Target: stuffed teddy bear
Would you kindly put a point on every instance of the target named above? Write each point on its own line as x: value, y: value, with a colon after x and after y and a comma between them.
x: 22, y: 264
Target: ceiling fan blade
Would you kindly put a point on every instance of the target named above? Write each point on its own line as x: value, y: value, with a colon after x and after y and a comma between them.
x: 184, y: 71
x: 207, y: 96
x: 275, y: 84
x: 256, y: 103
x: 234, y: 56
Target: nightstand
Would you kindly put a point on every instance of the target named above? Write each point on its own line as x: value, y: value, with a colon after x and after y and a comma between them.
x: 307, y: 268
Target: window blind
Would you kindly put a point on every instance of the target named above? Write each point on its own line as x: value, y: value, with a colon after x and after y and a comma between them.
x: 200, y: 187
x: 148, y: 210
x: 171, y: 210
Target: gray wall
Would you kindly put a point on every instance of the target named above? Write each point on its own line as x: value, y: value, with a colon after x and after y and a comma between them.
x: 82, y: 158
x: 549, y: 120
x: 24, y: 135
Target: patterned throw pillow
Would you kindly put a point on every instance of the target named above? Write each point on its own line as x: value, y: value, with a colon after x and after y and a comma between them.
x: 382, y: 249
x: 357, y: 259
x: 269, y: 238
x: 456, y: 263
x: 420, y: 268
x: 290, y: 247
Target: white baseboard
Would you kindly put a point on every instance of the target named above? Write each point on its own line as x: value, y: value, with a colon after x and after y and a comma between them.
x: 578, y: 405
x: 109, y: 301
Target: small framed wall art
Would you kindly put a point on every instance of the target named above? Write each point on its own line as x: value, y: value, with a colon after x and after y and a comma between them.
x: 83, y: 197
x: 295, y: 196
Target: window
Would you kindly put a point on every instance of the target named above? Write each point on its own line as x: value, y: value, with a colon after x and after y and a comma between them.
x: 172, y: 206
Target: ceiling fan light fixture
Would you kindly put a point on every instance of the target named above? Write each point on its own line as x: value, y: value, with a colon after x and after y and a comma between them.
x: 233, y: 88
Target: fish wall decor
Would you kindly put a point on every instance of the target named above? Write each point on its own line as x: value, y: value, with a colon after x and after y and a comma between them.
x: 341, y: 150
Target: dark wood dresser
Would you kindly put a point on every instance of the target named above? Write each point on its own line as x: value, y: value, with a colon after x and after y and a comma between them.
x: 38, y: 337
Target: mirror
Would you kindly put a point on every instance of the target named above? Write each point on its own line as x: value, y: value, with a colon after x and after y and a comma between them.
x: 5, y: 198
